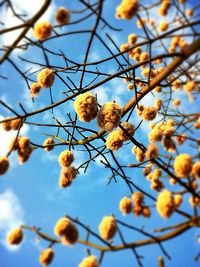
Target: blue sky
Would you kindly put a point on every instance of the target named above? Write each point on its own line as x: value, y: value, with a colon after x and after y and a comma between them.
x: 30, y: 193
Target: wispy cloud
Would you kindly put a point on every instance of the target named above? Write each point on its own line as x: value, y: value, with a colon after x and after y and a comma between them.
x: 11, y: 216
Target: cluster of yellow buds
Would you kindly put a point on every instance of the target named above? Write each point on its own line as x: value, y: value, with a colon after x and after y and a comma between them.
x: 46, y: 78
x: 152, y: 151
x: 166, y: 203
x: 15, y: 237
x: 154, y: 177
x: 164, y: 8
x: 42, y: 30
x: 116, y: 138
x: 140, y: 155
x: 183, y: 165
x: 138, y: 207
x: 67, y: 230
x: 49, y: 144
x: 108, y: 227
x: 62, y: 16
x: 86, y: 107
x: 12, y: 124
x: 90, y: 261
x: 4, y: 165
x: 109, y: 116
x: 46, y: 256
x: 68, y: 172
x: 127, y: 9
x: 23, y: 146
x: 149, y: 113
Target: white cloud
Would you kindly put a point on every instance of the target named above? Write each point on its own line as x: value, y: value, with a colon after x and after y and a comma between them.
x: 11, y: 216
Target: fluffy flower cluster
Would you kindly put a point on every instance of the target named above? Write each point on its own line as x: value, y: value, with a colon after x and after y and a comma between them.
x: 66, y: 158
x: 196, y: 170
x: 49, y: 144
x: 108, y: 227
x: 116, y: 138
x: 139, y: 208
x: 67, y: 175
x: 132, y: 39
x: 62, y: 16
x: 109, y: 116
x: 114, y: 141
x: 12, y: 125
x: 46, y: 256
x: 4, y: 165
x: 163, y: 26
x: 65, y: 228
x: 15, y: 236
x: 127, y: 9
x: 86, y: 107
x: 129, y: 128
x: 140, y: 155
x: 155, y: 135
x: 149, y: 113
x: 35, y: 89
x: 163, y: 10
x: 154, y: 177
x: 68, y: 172
x: 42, y: 30
x: 152, y: 151
x: 165, y: 204
x: 125, y: 205
x: 23, y: 146
x: 90, y: 261
x: 183, y: 165
x: 46, y: 78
